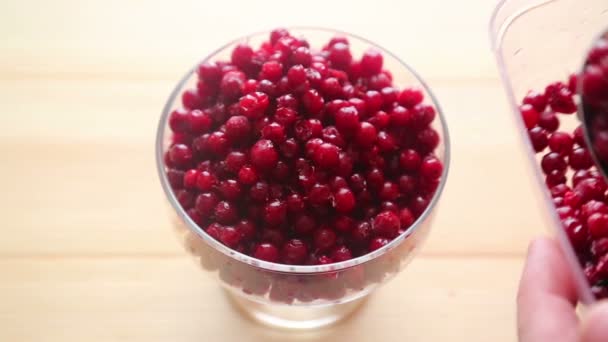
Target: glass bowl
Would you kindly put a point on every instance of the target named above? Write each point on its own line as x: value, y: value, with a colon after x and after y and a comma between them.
x: 537, y: 43
x: 300, y: 297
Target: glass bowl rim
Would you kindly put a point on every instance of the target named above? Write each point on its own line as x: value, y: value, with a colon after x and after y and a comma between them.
x: 283, y: 268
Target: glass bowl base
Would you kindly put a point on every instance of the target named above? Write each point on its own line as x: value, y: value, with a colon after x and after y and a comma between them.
x: 293, y: 317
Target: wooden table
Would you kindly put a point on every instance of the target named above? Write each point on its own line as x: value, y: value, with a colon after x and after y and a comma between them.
x: 87, y: 253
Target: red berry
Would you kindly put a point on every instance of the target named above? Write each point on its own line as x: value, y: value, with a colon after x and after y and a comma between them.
x: 326, y: 156
x: 341, y: 253
x: 324, y: 238
x: 263, y: 155
x: 347, y: 120
x: 378, y: 243
x: 561, y: 142
x: 539, y: 138
x: 267, y: 252
x: 225, y: 212
x: 529, y: 115
x: 294, y: 252
x: 431, y: 168
x: 386, y: 224
x: 371, y: 62
x: 275, y: 213
x: 409, y: 97
x: 549, y: 121
x: 344, y: 200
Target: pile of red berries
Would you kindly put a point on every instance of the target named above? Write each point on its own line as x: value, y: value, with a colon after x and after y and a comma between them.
x: 298, y: 156
x: 579, y: 191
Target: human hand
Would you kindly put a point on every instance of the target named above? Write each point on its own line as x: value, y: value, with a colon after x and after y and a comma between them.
x: 546, y: 301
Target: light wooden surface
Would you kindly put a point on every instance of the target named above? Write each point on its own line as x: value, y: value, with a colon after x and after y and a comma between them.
x: 86, y: 250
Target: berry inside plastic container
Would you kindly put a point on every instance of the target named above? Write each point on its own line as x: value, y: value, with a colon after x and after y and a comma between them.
x: 540, y: 47
x: 302, y: 169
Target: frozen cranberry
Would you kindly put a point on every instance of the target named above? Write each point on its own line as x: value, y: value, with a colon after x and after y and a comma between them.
x: 386, y: 224
x: 326, y: 155
x: 231, y: 84
x: 549, y: 121
x: 431, y: 168
x: 247, y: 175
x: 205, y: 203
x: 406, y: 217
x: 529, y: 115
x: 599, y: 247
x: 577, y: 233
x: 339, y: 55
x: 562, y: 101
x: 230, y: 236
x: 179, y: 121
x: 371, y: 62
x: 332, y: 135
x: 267, y: 252
x: 389, y: 191
x: 347, y: 120
x: 218, y: 144
x: 189, y: 178
x: 409, y: 97
x: 340, y: 254
x: 313, y: 102
x: 366, y: 135
x: 324, y: 238
x: 559, y: 190
x: 176, y: 178
x: 579, y: 136
x: 380, y: 120
x: 555, y: 177
x: 263, y: 155
x: 241, y: 55
x: 561, y: 143
x: 319, y: 194
x: 275, y: 213
x: 230, y: 189
x: 553, y: 161
x: 259, y: 191
x: 536, y: 100
x: 373, y: 101
x: 185, y: 198
x: 389, y: 96
x: 386, y: 142
x: 418, y: 205
x: 598, y: 225
x: 590, y: 188
x: 427, y: 140
x: 580, y: 159
x: 338, y: 182
x: 192, y: 100
x: 379, y: 81
x: 209, y: 72
x: 180, y: 155
x: 237, y: 128
x: 344, y: 200
x: 539, y: 138
x: 294, y: 252
x: 214, y: 230
x: 401, y: 117
x: 410, y: 160
x: 271, y: 70
x: 307, y: 129
x: 378, y: 243
x: 225, y: 212
x: 205, y: 181
x: 304, y: 224
x: 253, y: 105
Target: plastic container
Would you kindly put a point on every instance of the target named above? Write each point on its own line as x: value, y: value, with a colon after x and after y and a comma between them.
x: 537, y: 43
x: 300, y: 297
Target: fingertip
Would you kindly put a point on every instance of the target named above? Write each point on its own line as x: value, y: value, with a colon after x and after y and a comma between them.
x: 595, y: 324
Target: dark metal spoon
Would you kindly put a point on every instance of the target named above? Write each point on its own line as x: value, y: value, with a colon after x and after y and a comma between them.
x: 593, y: 107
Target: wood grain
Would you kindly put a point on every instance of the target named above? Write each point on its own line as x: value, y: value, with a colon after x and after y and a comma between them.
x: 87, y: 252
